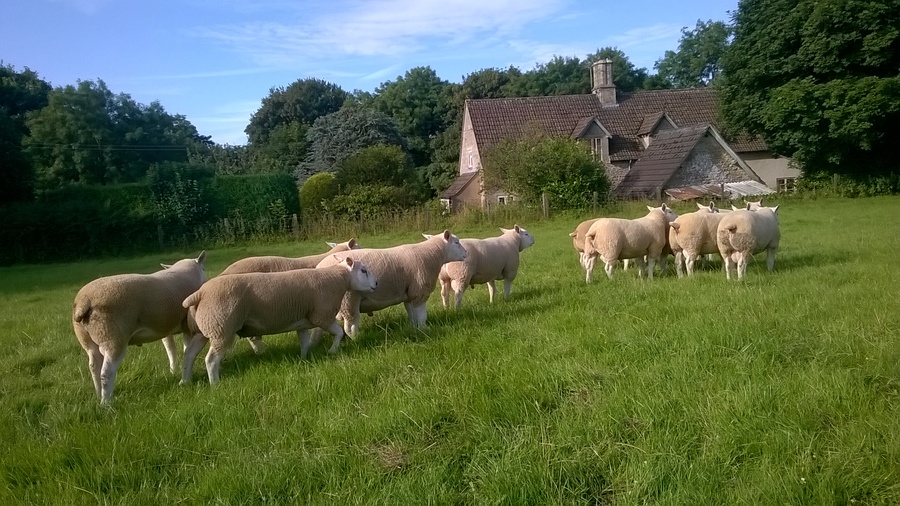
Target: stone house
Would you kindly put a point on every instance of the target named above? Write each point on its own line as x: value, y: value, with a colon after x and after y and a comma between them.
x: 655, y: 144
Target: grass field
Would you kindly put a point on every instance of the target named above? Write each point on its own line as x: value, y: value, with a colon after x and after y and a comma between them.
x: 781, y: 389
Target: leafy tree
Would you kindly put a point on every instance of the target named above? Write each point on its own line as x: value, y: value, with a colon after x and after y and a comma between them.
x: 626, y: 76
x: 301, y: 102
x: 371, y: 200
x: 559, y: 76
x: 384, y: 164
x: 318, y: 189
x: 698, y: 60
x: 563, y: 168
x: 286, y: 148
x: 818, y: 80
x: 334, y: 137
x: 87, y: 134
x: 20, y: 92
x: 416, y: 103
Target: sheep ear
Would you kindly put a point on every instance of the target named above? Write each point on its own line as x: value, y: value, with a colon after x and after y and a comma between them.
x: 735, y: 208
x: 664, y: 207
x: 201, y: 257
x: 573, y: 234
x: 352, y: 244
x: 165, y: 266
x: 503, y: 230
x: 517, y: 228
x: 650, y: 208
x: 427, y: 236
x: 748, y: 206
x: 447, y: 235
x: 331, y: 244
x: 775, y: 209
x: 349, y: 262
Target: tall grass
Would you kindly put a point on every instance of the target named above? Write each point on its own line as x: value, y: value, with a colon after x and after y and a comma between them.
x: 783, y: 388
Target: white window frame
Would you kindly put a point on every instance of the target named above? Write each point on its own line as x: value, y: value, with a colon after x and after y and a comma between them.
x: 786, y: 184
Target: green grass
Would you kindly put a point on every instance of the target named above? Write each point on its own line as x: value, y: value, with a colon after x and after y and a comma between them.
x: 781, y: 389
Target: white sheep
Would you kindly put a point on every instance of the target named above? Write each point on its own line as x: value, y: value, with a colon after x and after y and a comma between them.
x: 278, y: 264
x: 406, y: 273
x: 617, y: 238
x: 486, y: 260
x: 578, y: 236
x: 742, y: 233
x: 262, y: 303
x: 113, y: 312
x: 692, y: 235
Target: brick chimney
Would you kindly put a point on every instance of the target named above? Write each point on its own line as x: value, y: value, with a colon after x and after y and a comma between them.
x: 602, y: 82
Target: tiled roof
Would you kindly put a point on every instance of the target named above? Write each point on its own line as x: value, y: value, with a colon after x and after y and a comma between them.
x: 504, y: 118
x: 660, y: 161
x: 650, y: 123
x: 458, y: 184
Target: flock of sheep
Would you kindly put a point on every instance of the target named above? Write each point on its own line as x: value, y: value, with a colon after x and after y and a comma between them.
x: 259, y: 296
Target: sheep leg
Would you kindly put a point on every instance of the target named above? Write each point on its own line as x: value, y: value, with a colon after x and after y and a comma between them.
x: 651, y: 263
x: 303, y: 338
x: 418, y: 314
x: 111, y: 361
x: 214, y: 357
x: 491, y: 289
x: 589, y: 264
x: 458, y: 290
x: 663, y: 264
x: 729, y: 264
x: 610, y: 265
x: 338, y: 334
x: 742, y: 265
x: 689, y: 263
x: 640, y: 265
x: 770, y: 260
x: 257, y: 344
x: 95, y: 361
x: 679, y: 263
x: 445, y: 293
x: 169, y: 345
x: 507, y: 288
x: 191, y: 350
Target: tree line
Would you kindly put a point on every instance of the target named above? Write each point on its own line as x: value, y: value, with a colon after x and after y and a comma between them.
x: 817, y: 80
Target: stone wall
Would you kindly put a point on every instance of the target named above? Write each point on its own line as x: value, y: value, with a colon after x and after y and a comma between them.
x: 708, y: 163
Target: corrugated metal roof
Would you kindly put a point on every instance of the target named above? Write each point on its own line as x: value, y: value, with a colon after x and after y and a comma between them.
x: 746, y: 189
x: 727, y: 190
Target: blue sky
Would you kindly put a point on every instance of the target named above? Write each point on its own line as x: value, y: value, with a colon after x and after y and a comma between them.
x: 213, y: 61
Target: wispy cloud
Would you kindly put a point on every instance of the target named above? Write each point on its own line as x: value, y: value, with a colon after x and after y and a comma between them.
x: 379, y: 28
x: 646, y: 35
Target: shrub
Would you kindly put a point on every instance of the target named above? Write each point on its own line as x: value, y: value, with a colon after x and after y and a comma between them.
x: 563, y: 168
x: 318, y: 189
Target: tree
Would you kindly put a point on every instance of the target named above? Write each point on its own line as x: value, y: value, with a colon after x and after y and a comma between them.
x: 334, y: 137
x: 416, y: 103
x: 698, y: 60
x: 87, y: 134
x: 626, y: 76
x: 563, y: 168
x: 302, y: 102
x: 376, y: 179
x: 818, y: 80
x: 285, y: 149
x: 20, y: 93
x: 560, y: 76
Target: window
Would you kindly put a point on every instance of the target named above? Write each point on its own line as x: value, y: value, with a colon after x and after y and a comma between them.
x: 502, y: 199
x: 446, y: 204
x: 597, y: 149
x: 786, y: 184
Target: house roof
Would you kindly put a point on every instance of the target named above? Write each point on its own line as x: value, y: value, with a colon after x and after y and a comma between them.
x: 660, y: 161
x: 503, y: 118
x: 650, y: 122
x: 458, y: 185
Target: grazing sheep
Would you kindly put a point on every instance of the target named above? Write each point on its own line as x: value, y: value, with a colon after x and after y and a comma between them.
x: 262, y: 303
x: 406, y: 273
x: 740, y: 234
x: 692, y: 235
x: 486, y: 260
x: 113, y: 312
x: 616, y: 238
x: 278, y: 264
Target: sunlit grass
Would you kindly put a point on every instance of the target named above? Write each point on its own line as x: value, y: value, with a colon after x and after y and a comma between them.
x: 783, y: 388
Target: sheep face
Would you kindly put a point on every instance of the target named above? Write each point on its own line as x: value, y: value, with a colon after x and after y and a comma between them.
x: 525, y: 239
x: 361, y: 279
x: 453, y: 249
x: 667, y: 212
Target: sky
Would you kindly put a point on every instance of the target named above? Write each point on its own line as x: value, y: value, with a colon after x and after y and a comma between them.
x: 214, y: 61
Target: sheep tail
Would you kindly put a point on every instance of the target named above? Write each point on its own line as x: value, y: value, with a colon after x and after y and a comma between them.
x: 573, y: 234
x: 731, y: 229
x: 81, y: 312
x: 192, y: 300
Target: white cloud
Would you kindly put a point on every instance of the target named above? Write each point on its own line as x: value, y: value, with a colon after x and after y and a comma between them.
x: 379, y: 28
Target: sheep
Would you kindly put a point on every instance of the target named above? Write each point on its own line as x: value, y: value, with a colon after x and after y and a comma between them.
x: 261, y: 303
x: 615, y: 238
x: 486, y: 260
x: 112, y: 312
x: 692, y: 235
x: 278, y: 264
x: 578, y: 241
x: 406, y: 273
x: 742, y: 233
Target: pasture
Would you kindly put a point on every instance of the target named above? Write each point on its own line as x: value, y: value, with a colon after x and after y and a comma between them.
x: 781, y: 389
